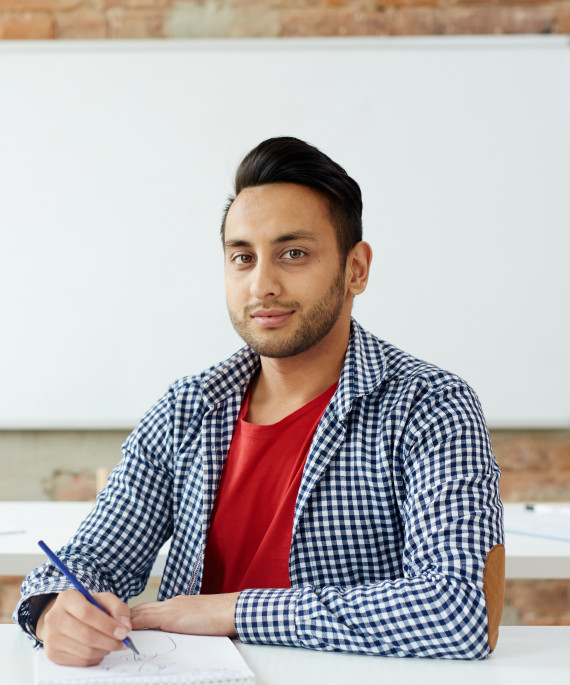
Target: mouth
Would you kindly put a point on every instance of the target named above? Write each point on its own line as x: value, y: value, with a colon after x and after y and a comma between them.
x: 270, y: 318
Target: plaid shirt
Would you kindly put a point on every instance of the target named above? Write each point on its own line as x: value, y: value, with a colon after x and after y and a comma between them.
x: 396, y: 512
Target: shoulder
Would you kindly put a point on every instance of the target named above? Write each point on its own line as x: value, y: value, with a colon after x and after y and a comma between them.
x: 395, y: 366
x: 182, y: 406
x: 404, y: 368
x: 417, y: 405
x: 410, y: 385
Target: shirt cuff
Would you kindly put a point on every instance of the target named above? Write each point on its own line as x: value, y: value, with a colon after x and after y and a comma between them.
x: 267, y: 616
x: 27, y: 616
x: 53, y: 584
x: 36, y: 606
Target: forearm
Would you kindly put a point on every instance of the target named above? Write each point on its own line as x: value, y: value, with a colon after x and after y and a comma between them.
x: 190, y: 614
x: 110, y: 562
x: 426, y: 617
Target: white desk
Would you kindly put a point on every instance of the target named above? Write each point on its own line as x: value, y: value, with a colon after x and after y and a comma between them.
x: 527, y: 556
x: 53, y: 522
x: 525, y: 656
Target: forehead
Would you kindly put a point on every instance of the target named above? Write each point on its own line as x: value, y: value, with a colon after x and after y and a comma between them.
x: 269, y: 209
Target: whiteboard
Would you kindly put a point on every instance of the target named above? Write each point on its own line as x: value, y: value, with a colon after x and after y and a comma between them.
x: 116, y: 159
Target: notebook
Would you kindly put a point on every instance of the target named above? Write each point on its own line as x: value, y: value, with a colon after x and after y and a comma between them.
x: 164, y: 658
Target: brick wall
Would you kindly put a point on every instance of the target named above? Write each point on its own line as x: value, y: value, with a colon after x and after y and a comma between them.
x: 62, y: 465
x: 89, y: 19
x: 535, y: 467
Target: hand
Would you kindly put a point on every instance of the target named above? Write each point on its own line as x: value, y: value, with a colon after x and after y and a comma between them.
x: 190, y: 614
x: 77, y: 633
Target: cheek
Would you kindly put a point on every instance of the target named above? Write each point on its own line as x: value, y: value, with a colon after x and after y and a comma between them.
x: 236, y: 290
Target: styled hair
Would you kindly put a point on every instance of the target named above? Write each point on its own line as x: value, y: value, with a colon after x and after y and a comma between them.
x: 290, y: 160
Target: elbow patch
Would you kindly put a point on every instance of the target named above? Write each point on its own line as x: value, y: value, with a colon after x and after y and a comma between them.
x: 494, y: 589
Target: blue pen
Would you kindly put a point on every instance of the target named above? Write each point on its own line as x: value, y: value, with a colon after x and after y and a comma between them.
x: 69, y: 575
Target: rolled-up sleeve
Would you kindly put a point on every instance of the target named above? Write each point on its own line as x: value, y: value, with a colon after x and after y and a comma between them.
x: 116, y: 545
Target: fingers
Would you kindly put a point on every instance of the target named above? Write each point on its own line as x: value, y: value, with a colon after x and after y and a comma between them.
x: 147, y: 615
x: 191, y: 614
x: 77, y: 633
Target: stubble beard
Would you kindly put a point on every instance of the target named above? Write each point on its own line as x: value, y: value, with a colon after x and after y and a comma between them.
x: 313, y: 325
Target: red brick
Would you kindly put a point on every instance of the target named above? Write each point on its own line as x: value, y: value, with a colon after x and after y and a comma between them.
x: 26, y: 26
x: 562, y: 13
x: 530, y: 486
x: 521, y: 453
x: 559, y: 457
x: 546, y: 621
x: 264, y: 5
x: 135, y: 23
x: 539, y: 602
x: 331, y: 22
x: 246, y: 24
x: 66, y: 486
x: 407, y: 4
x: 529, y: 19
x: 498, y: 20
x: 269, y: 5
x: 500, y: 3
x: 353, y: 5
x: 39, y: 5
x: 138, y: 4
x: 417, y: 22
x: 532, y: 450
x: 9, y: 596
x: 87, y: 25
x: 477, y: 20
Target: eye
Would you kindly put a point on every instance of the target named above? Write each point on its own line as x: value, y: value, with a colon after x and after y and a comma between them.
x: 242, y: 259
x: 294, y: 254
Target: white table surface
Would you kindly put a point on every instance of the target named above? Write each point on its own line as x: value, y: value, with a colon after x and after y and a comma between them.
x: 524, y: 656
x: 53, y: 522
x: 527, y: 556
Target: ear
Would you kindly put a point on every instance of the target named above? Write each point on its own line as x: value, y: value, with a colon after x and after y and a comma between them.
x: 358, y: 267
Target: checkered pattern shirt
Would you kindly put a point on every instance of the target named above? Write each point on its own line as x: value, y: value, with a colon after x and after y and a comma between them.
x: 396, y: 512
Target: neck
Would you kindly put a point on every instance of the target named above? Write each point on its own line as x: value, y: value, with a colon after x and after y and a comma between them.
x: 284, y: 385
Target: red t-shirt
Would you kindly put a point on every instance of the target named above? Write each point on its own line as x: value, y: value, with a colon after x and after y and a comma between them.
x: 252, y: 522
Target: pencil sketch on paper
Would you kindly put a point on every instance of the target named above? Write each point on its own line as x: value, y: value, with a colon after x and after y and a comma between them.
x: 163, y: 657
x: 157, y: 656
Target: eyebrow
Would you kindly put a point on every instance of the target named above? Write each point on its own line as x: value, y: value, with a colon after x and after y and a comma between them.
x: 285, y: 238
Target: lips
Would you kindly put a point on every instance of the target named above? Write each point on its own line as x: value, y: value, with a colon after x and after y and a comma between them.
x: 269, y: 318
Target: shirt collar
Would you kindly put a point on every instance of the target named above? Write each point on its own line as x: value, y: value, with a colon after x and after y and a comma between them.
x: 230, y: 376
x: 363, y: 370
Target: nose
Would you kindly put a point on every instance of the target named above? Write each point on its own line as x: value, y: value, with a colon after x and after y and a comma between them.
x: 264, y: 280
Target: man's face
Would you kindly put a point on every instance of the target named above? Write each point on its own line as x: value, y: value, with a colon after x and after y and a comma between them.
x: 285, y: 287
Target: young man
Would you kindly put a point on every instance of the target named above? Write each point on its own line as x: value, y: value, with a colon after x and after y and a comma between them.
x: 321, y: 488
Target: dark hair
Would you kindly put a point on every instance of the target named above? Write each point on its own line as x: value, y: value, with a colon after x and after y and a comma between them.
x: 290, y: 160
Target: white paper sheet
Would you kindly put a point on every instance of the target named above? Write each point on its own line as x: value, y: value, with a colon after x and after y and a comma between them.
x: 164, y: 657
